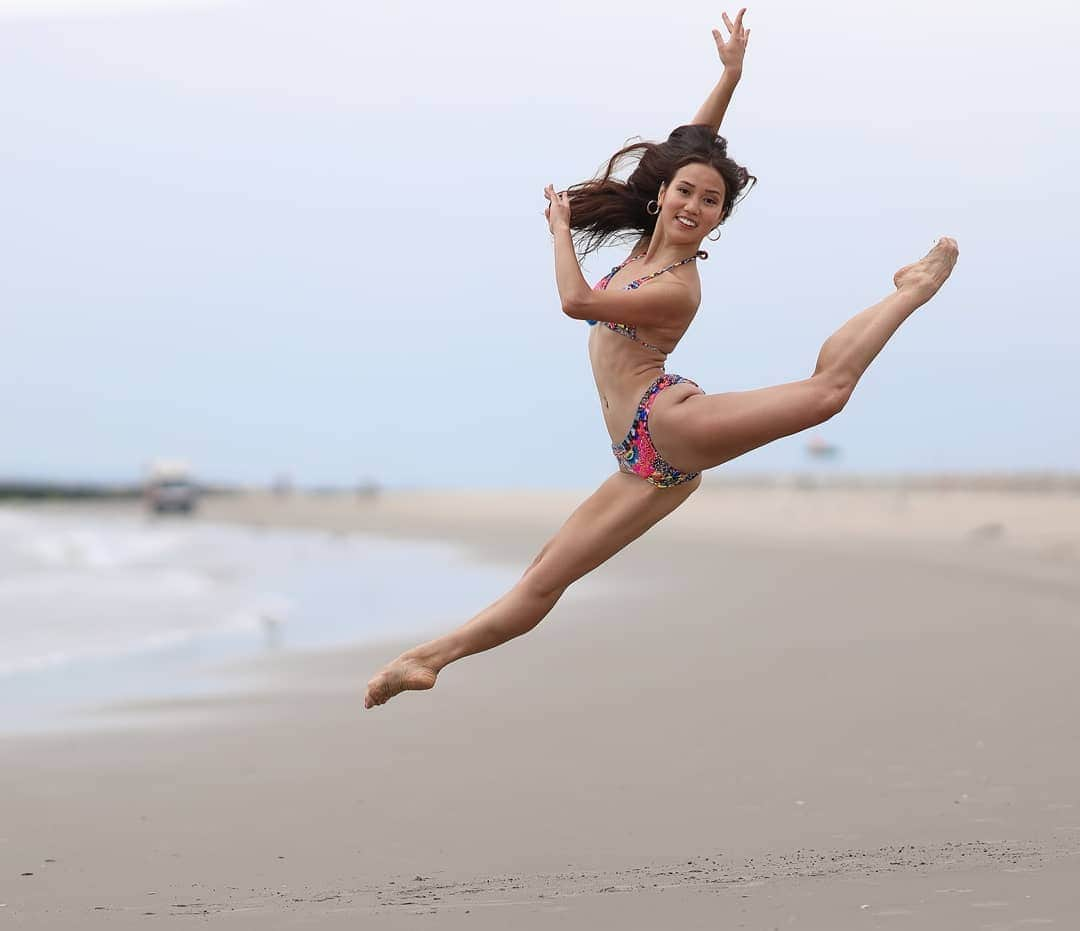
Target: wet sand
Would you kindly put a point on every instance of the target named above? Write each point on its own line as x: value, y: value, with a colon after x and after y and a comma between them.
x: 782, y: 708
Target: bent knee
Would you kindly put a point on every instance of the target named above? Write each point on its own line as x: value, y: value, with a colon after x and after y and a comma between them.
x: 541, y: 580
x: 539, y: 558
x: 542, y: 584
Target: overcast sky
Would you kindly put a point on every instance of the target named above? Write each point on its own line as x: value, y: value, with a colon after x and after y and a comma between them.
x: 306, y: 237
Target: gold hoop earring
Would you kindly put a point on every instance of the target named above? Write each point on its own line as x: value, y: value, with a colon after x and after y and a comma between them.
x: 650, y: 205
x: 716, y: 229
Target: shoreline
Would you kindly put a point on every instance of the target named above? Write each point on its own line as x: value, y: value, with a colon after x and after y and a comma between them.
x: 109, y: 609
x: 1012, y: 513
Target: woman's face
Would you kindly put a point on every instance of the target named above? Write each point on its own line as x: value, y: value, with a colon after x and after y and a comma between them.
x: 692, y: 204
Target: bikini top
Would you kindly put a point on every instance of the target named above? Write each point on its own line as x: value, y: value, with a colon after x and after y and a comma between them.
x: 627, y: 329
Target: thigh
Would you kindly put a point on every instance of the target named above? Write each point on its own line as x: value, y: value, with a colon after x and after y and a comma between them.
x: 704, y: 430
x: 615, y: 515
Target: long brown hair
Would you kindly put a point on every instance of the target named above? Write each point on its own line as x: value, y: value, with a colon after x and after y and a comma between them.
x: 607, y: 208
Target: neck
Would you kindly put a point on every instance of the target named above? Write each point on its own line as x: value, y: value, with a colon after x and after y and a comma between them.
x: 663, y: 252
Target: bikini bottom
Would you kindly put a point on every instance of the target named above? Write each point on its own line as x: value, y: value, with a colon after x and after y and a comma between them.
x: 638, y: 455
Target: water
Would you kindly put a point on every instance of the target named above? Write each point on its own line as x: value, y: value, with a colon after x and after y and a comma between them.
x: 98, y: 609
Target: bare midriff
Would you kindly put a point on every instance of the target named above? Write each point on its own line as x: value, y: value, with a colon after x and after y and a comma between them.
x: 623, y: 371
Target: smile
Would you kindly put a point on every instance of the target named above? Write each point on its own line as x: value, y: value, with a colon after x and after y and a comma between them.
x: 687, y: 222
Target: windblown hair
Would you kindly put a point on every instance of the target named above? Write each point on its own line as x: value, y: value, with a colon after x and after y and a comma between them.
x: 607, y: 208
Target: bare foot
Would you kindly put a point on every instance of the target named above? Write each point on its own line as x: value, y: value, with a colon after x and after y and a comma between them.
x: 927, y: 275
x: 406, y: 672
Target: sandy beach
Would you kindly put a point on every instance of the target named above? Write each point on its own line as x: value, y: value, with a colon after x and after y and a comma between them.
x: 783, y: 708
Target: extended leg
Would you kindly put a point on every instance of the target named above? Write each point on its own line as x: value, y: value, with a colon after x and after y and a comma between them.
x: 619, y: 512
x: 851, y: 349
x: 702, y: 431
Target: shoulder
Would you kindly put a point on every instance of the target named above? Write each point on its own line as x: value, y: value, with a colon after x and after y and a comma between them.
x: 682, y: 280
x: 677, y: 292
x: 689, y: 278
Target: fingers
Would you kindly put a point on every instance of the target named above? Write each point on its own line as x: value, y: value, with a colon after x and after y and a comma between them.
x: 562, y: 198
x: 733, y: 27
x: 558, y: 208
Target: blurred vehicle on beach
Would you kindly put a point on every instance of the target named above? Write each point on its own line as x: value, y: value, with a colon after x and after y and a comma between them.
x: 170, y: 487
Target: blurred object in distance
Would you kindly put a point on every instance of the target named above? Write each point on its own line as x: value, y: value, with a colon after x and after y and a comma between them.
x: 282, y: 485
x: 818, y: 448
x: 170, y: 488
x: 368, y: 488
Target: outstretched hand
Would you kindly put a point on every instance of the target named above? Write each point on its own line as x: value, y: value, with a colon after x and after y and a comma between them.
x: 732, y: 51
x: 558, y: 209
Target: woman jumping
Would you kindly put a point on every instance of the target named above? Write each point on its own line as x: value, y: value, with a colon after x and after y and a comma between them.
x: 679, y: 191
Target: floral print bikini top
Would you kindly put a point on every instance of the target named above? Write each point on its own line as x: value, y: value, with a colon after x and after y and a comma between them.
x: 624, y: 328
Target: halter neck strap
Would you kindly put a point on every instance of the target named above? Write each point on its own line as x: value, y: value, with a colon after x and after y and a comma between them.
x: 700, y: 254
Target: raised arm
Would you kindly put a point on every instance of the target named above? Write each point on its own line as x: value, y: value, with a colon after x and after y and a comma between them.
x: 731, y: 53
x: 654, y: 304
